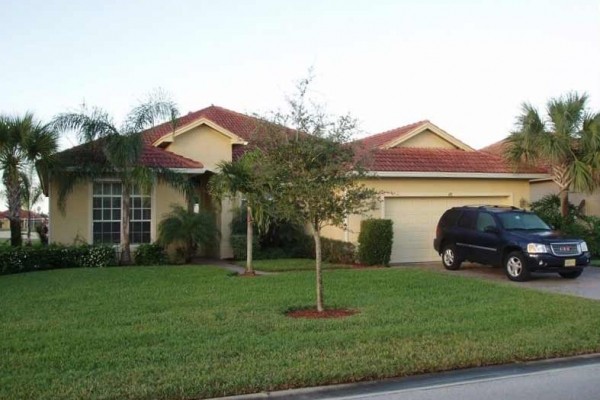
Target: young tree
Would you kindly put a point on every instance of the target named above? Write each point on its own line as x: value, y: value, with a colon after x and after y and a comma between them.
x: 23, y: 141
x: 121, y: 148
x: 243, y: 176
x: 314, y: 173
x: 566, y: 140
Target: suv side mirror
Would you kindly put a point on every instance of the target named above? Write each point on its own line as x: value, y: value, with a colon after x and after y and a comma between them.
x: 491, y: 229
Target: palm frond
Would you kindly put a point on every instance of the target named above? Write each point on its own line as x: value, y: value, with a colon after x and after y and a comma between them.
x: 155, y: 109
x: 88, y: 125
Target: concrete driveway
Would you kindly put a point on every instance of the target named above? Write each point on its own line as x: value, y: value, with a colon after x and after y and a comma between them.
x: 587, y: 285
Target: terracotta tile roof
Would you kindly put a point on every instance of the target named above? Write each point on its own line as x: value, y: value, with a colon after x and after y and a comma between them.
x: 382, y: 138
x: 411, y: 159
x: 495, y: 148
x: 151, y: 156
x: 240, y: 124
x: 24, y: 215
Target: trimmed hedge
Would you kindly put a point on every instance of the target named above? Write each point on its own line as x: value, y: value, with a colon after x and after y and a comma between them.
x: 375, y: 241
x: 24, y: 259
x: 336, y: 251
x: 238, y: 244
x: 150, y: 254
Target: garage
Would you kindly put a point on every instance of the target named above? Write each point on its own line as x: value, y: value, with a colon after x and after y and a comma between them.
x: 415, y: 220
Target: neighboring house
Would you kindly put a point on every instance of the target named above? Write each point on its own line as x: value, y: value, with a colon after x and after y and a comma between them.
x: 35, y: 219
x: 421, y: 169
x: 545, y: 186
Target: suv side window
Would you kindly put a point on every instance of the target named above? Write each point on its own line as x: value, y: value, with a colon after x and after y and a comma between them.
x: 484, y: 220
x: 467, y: 219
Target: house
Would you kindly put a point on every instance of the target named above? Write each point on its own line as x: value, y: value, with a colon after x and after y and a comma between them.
x: 541, y: 187
x: 421, y: 169
x: 36, y: 218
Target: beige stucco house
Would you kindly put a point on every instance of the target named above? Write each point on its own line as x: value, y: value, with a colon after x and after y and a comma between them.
x: 420, y: 169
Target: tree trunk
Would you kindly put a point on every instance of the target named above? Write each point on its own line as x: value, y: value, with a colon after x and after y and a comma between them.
x: 29, y: 225
x: 14, y: 210
x: 317, y: 237
x: 125, y: 217
x: 564, y: 203
x: 249, y: 240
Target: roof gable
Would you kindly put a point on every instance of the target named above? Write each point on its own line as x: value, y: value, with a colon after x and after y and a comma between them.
x: 170, y: 137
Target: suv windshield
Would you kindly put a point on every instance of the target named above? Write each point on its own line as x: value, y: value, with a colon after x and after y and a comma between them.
x: 524, y: 221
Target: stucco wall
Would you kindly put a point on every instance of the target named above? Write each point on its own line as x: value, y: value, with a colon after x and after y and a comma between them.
x: 75, y: 222
x: 516, y: 190
x: 592, y: 201
x: 427, y: 139
x: 203, y: 144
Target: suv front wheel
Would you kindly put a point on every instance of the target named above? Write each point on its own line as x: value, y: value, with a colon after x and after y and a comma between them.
x: 449, y: 258
x: 514, y: 265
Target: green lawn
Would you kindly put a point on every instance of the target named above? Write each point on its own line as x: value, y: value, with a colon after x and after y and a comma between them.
x: 192, y: 332
x: 291, y: 264
x: 595, y: 262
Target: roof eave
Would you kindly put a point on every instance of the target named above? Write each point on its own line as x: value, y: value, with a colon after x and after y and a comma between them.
x: 462, y: 175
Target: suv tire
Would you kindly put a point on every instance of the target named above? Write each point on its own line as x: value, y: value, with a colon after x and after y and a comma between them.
x: 570, y: 274
x: 449, y: 258
x: 515, y: 267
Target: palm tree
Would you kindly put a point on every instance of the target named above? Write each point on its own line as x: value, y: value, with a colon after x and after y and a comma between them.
x: 23, y: 141
x: 241, y: 177
x: 122, y: 148
x: 187, y: 229
x: 31, y: 194
x: 566, y: 141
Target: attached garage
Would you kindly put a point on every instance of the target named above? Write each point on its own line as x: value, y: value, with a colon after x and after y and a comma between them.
x: 421, y: 171
x: 415, y: 220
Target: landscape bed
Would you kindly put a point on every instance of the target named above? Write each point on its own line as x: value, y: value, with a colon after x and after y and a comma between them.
x: 192, y: 332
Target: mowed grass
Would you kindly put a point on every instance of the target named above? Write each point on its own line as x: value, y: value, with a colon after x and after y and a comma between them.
x: 193, y: 332
x: 291, y: 264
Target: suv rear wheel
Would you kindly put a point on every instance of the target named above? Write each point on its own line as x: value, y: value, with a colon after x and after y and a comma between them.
x: 449, y: 258
x: 570, y: 274
x: 514, y: 265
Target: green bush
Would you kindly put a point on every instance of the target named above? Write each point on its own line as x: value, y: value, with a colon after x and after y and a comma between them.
x: 238, y: 244
x: 150, y: 254
x: 375, y: 241
x: 337, y: 252
x: 33, y: 258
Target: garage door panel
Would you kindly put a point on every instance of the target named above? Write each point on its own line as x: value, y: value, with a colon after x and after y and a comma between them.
x: 415, y: 220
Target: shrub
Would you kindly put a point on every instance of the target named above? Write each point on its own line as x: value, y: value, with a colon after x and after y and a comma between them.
x: 238, y: 244
x: 150, y: 254
x: 25, y: 259
x: 375, y: 241
x: 337, y: 252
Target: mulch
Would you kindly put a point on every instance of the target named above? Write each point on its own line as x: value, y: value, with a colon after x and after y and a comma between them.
x: 314, y: 314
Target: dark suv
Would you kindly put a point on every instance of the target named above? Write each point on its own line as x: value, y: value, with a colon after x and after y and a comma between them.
x: 516, y: 239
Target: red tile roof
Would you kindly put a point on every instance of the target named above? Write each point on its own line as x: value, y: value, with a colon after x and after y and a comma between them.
x: 240, y: 124
x: 411, y: 159
x: 380, y: 139
x: 497, y: 148
x: 151, y: 156
x: 24, y: 215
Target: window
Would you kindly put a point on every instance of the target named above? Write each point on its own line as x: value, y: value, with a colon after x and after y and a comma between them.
x: 484, y: 220
x: 467, y: 219
x: 106, y: 214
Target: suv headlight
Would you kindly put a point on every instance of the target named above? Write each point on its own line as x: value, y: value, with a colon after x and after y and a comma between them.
x: 537, y: 248
x: 583, y: 247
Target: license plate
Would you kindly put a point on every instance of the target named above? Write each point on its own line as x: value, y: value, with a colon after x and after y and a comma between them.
x: 569, y: 263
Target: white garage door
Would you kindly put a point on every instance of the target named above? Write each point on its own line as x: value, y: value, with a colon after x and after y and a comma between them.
x: 415, y: 220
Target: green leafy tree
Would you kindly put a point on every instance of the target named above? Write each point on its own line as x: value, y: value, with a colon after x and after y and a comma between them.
x: 566, y: 140
x: 187, y: 230
x: 244, y: 177
x: 121, y: 148
x: 23, y: 141
x: 314, y: 173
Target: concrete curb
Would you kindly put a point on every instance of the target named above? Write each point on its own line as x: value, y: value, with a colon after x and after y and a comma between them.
x: 422, y: 381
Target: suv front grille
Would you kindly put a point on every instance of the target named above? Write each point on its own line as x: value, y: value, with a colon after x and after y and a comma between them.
x: 565, y: 249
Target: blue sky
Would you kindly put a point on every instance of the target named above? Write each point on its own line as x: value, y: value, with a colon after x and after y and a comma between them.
x: 465, y: 65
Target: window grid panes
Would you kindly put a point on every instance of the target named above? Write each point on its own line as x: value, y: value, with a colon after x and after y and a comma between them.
x: 140, y: 214
x: 107, y: 212
x: 107, y: 206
